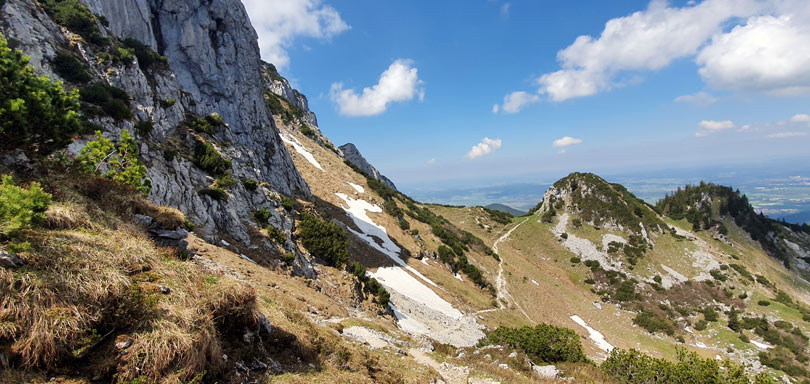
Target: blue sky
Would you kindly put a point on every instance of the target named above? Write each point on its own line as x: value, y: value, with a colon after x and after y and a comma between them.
x: 739, y: 70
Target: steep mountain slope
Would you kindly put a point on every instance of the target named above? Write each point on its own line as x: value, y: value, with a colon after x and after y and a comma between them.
x: 190, y: 78
x: 594, y: 258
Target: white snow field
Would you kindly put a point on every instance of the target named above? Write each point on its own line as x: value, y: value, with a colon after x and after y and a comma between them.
x: 597, y: 337
x: 301, y: 149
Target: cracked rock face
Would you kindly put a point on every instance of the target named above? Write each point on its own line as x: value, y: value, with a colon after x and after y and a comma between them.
x: 214, y: 66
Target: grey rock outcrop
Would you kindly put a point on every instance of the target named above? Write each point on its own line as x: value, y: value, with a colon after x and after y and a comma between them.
x: 212, y: 66
x: 352, y: 154
x: 281, y: 87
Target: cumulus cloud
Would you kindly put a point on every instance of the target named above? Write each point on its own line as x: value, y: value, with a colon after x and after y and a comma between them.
x: 700, y: 99
x: 784, y: 135
x: 767, y: 50
x: 645, y: 40
x: 399, y: 83
x: 768, y: 54
x: 515, y: 101
x: 566, y: 141
x: 431, y: 161
x: 708, y: 127
x: 800, y: 118
x: 485, y: 147
x: 279, y: 22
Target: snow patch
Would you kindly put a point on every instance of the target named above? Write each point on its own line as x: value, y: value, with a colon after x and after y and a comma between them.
x: 761, y: 345
x: 356, y: 187
x: 457, y: 276
x: 597, y: 337
x: 301, y: 149
x: 369, y: 230
x: 398, y: 280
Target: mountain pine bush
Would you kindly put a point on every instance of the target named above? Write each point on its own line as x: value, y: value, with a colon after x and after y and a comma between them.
x: 20, y: 207
x: 543, y: 342
x: 35, y: 113
x: 324, y: 239
x: 118, y: 163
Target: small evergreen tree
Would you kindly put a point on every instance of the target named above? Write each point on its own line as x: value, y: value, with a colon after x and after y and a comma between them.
x: 35, y: 113
x: 118, y: 163
x: 19, y: 207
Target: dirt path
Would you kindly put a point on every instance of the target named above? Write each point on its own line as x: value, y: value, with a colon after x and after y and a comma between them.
x: 452, y: 374
x: 503, y: 294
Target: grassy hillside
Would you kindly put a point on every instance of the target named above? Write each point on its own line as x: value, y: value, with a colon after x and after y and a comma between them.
x: 690, y: 289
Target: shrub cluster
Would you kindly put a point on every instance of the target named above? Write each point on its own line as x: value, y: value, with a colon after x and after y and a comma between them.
x: 324, y: 239
x: 117, y: 162
x: 209, y: 159
x: 543, y: 342
x: 35, y: 114
x: 75, y: 16
x: 108, y: 100
x: 208, y: 124
x: 20, y: 207
x: 635, y: 367
x: 654, y: 323
x: 147, y: 58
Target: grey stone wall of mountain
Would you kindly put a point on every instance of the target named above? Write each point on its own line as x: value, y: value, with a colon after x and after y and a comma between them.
x: 353, y: 155
x: 215, y: 67
x: 281, y: 87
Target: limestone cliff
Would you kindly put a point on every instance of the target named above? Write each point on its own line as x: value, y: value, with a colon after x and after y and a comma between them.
x: 211, y: 65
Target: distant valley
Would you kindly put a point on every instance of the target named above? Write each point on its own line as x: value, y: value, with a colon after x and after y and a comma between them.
x: 779, y: 190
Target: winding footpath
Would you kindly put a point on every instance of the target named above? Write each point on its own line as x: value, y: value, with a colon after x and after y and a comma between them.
x: 503, y: 294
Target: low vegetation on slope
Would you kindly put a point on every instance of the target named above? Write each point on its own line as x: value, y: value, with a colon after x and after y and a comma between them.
x: 96, y: 295
x: 704, y: 204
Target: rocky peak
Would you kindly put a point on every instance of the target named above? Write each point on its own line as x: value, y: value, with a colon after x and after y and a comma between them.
x: 599, y: 203
x: 352, y: 155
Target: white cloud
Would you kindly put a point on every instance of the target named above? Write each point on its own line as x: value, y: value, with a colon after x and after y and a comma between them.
x: 800, y: 118
x: 769, y: 54
x: 566, y: 141
x: 485, y: 147
x: 279, y: 22
x: 700, y: 99
x: 708, y: 127
x: 399, y: 83
x: 645, y: 40
x: 783, y: 135
x: 431, y: 161
x: 515, y: 101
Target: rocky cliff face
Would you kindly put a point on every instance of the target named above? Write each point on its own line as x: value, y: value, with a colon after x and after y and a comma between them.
x: 281, y: 87
x: 213, y: 66
x: 352, y: 154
